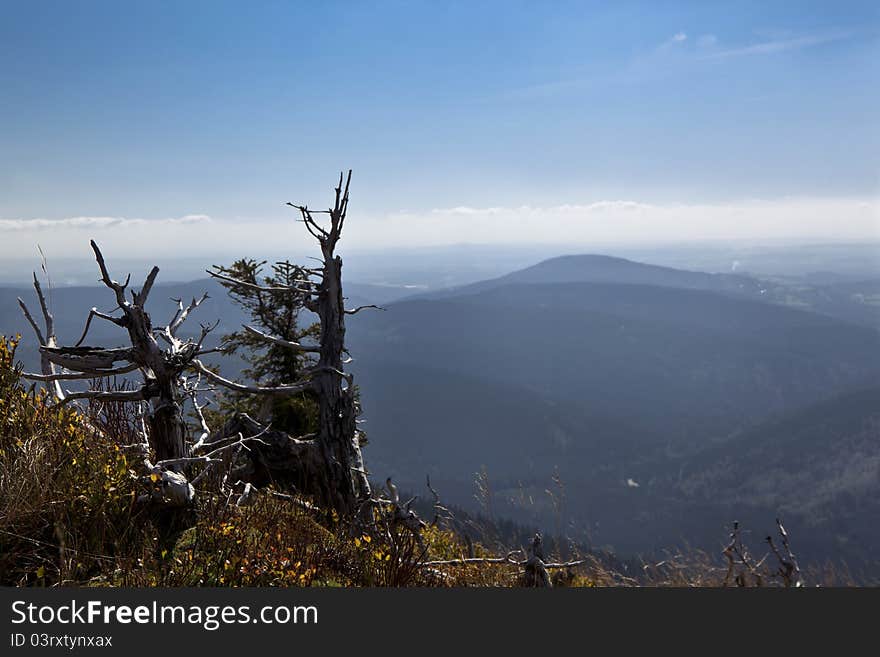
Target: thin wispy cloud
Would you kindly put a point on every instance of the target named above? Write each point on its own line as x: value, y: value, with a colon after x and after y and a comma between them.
x: 675, y: 40
x: 707, y: 40
x: 780, y: 45
x: 677, y: 50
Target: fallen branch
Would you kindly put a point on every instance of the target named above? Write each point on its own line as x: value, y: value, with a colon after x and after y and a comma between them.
x: 506, y: 559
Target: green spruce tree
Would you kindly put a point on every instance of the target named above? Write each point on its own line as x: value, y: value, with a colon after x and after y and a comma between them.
x: 279, y: 313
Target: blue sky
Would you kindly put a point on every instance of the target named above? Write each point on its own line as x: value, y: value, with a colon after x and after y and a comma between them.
x: 221, y: 111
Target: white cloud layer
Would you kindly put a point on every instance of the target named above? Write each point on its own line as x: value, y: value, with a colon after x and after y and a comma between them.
x: 629, y: 221
x: 600, y: 222
x: 32, y: 225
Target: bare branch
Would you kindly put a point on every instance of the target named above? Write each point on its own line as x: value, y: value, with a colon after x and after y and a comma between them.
x: 94, y: 312
x: 565, y: 564
x: 206, y: 431
x: 31, y: 321
x: 440, y: 511
x: 205, y: 330
x: 292, y: 389
x: 355, y: 311
x: 49, y: 339
x: 86, y: 359
x: 788, y: 565
x: 341, y: 208
x: 47, y: 316
x: 313, y: 227
x: 105, y: 276
x: 181, y: 315
x: 508, y: 558
x: 295, y: 346
x: 213, y: 350
x: 140, y: 298
x: 402, y: 513
x: 210, y: 458
x: 254, y: 286
x: 105, y: 395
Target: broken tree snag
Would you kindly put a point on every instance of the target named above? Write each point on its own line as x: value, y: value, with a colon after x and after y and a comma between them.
x: 334, y: 475
x: 161, y: 366
x: 345, y: 484
x: 403, y: 514
x: 535, y: 569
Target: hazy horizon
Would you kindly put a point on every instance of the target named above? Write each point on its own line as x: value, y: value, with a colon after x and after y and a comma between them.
x: 449, y: 265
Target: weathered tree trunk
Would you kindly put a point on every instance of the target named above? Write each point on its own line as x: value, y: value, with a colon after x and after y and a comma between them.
x: 328, y: 466
x: 167, y: 426
x: 344, y: 484
x: 337, y: 434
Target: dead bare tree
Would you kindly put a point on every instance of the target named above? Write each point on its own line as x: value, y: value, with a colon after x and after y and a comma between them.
x: 743, y: 570
x: 327, y: 466
x: 740, y: 564
x: 45, y: 337
x: 402, y: 513
x: 788, y: 569
x: 161, y: 367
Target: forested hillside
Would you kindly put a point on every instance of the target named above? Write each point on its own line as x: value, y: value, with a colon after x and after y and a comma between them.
x: 632, y: 384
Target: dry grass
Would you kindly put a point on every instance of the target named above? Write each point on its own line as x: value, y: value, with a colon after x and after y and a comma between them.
x: 66, y: 499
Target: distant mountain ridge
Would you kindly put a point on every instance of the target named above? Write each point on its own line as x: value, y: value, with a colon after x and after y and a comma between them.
x: 853, y: 301
x: 594, y: 268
